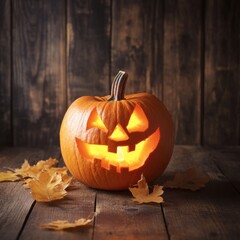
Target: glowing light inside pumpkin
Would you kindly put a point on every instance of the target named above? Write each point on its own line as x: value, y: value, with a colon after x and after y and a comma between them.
x: 123, y: 158
x: 119, y: 134
x: 138, y: 121
x: 120, y: 154
x: 95, y: 121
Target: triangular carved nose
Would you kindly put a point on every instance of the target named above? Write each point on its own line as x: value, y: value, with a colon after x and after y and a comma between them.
x: 118, y: 134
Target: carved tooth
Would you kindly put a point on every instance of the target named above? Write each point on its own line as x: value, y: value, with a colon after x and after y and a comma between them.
x: 131, y: 147
x: 105, y: 164
x: 118, y: 169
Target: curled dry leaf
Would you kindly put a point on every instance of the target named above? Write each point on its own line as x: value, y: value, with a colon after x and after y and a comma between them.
x: 9, y: 176
x: 66, y: 225
x: 27, y: 171
x: 34, y: 171
x: 49, y: 186
x: 46, y: 183
x: 63, y: 171
x: 141, y: 192
x: 191, y: 179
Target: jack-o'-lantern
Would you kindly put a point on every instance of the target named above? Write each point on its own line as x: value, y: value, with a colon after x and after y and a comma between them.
x: 108, y: 142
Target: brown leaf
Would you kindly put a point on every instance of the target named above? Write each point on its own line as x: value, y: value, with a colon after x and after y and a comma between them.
x: 9, y: 176
x: 34, y: 171
x: 46, y: 183
x: 66, y: 179
x: 66, y: 225
x: 63, y: 171
x: 141, y: 193
x: 48, y: 187
x: 23, y: 170
x: 191, y: 179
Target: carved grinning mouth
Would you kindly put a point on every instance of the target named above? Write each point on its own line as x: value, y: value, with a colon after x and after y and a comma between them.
x: 123, y: 158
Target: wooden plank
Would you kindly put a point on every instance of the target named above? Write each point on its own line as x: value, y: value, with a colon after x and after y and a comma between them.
x: 79, y: 203
x: 228, y: 161
x: 210, y: 213
x: 39, y: 91
x: 182, y: 71
x: 222, y: 106
x: 5, y: 73
x: 137, y: 44
x: 121, y: 218
x: 15, y: 200
x: 88, y: 46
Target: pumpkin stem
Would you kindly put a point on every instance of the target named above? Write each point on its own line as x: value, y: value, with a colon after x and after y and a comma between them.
x: 118, y: 87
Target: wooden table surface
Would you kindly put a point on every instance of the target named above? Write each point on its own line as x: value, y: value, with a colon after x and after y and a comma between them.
x: 210, y: 213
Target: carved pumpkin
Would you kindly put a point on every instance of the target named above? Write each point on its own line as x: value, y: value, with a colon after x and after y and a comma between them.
x: 108, y: 142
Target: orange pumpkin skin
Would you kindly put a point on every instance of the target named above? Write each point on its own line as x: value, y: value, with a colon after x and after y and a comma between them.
x: 75, y: 135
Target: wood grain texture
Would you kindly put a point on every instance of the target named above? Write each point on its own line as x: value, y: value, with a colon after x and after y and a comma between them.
x: 79, y: 203
x: 137, y: 44
x: 222, y: 85
x: 182, y: 71
x: 5, y: 73
x: 15, y: 201
x: 209, y: 213
x: 39, y: 91
x: 184, y: 52
x: 88, y: 47
x: 228, y: 163
x: 121, y: 218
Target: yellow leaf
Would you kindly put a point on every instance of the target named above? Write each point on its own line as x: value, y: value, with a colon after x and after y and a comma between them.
x: 65, y: 225
x: 24, y: 169
x: 46, y: 183
x: 63, y: 171
x: 8, y: 176
x: 48, y: 187
x: 66, y: 179
x: 45, y: 164
x: 26, y: 182
x: 141, y: 193
x: 34, y: 171
x: 191, y: 179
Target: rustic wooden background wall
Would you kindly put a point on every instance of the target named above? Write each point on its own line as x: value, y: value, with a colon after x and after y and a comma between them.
x: 185, y: 52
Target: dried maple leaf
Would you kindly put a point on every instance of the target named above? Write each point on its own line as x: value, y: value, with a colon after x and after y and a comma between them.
x: 46, y: 183
x: 191, y: 179
x: 63, y: 171
x: 66, y: 179
x: 65, y: 225
x: 24, y: 169
x: 45, y: 164
x: 9, y: 176
x: 26, y: 182
x: 48, y: 187
x: 141, y: 193
x: 34, y: 171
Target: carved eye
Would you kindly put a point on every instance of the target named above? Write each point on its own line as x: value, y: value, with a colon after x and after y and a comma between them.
x: 138, y: 121
x: 94, y: 121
